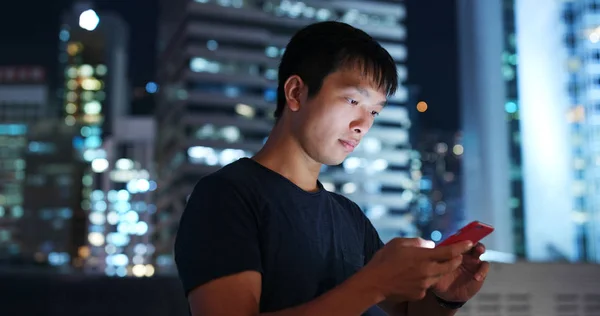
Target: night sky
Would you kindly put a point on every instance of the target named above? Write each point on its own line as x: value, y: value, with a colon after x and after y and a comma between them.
x: 29, y: 36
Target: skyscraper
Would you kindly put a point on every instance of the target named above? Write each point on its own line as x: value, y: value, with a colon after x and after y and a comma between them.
x: 23, y: 100
x: 54, y: 226
x: 93, y: 56
x: 218, y: 76
x: 96, y: 93
x: 486, y: 163
x: 560, y: 92
x: 549, y: 96
x: 120, y: 202
x: 511, y: 107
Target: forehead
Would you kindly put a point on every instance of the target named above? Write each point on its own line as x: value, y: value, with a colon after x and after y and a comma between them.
x: 354, y: 77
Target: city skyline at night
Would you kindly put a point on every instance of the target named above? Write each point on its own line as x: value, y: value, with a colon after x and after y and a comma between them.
x: 112, y: 111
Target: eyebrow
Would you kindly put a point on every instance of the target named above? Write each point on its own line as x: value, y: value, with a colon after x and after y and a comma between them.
x: 365, y: 93
x: 362, y: 91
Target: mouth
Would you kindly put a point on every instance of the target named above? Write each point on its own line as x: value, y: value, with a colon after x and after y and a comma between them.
x: 348, y: 145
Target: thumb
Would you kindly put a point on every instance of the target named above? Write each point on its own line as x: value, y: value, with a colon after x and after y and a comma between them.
x: 417, y: 242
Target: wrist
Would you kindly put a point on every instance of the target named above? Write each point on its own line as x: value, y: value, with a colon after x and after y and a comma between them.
x: 452, y: 305
x: 366, y: 285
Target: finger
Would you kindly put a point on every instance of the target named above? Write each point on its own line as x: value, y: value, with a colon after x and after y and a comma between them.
x: 481, y: 274
x: 443, y: 268
x: 449, y: 252
x: 416, y: 242
x: 477, y: 251
x: 427, y: 244
x: 480, y: 247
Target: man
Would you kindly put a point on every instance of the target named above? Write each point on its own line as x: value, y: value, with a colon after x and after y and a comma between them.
x: 262, y: 237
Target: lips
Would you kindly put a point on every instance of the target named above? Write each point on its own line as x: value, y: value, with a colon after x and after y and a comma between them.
x: 349, y: 145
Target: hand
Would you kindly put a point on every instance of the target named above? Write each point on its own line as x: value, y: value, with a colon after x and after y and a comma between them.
x: 404, y: 269
x: 462, y: 284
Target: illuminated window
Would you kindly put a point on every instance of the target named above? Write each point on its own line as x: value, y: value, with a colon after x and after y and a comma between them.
x: 272, y: 51
x: 91, y: 84
x: 212, y: 45
x: 74, y: 48
x: 86, y: 71
x: 64, y: 35
x: 17, y: 211
x: 198, y: 64
x: 101, y: 70
x: 4, y: 235
x: 213, y: 157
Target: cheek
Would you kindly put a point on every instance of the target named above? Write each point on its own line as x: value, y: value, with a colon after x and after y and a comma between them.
x: 326, y: 121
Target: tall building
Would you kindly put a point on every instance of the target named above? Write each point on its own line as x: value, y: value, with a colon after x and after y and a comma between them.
x: 549, y: 93
x: 23, y: 100
x: 218, y: 76
x: 96, y: 98
x: 483, y: 98
x: 93, y: 59
x: 511, y: 107
x: 121, y: 201
x: 559, y: 93
x: 55, y: 225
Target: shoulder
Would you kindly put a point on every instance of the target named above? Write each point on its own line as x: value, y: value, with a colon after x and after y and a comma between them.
x: 232, y: 173
x: 226, y: 192
x: 217, y: 198
x: 350, y: 206
x: 232, y: 179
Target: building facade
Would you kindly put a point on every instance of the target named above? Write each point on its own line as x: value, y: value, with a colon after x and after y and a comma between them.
x: 23, y: 101
x: 96, y: 99
x: 55, y: 226
x: 543, y: 141
x: 485, y: 132
x: 120, y: 204
x: 559, y: 93
x: 511, y: 107
x: 218, y: 77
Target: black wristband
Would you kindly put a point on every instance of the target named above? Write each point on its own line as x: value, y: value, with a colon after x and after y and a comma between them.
x: 448, y: 304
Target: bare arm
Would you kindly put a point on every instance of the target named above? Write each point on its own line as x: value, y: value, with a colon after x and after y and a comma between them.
x: 393, y: 308
x: 428, y: 306
x: 424, y: 307
x: 239, y: 295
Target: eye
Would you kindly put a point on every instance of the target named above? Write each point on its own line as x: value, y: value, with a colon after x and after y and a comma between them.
x: 374, y: 113
x: 352, y: 101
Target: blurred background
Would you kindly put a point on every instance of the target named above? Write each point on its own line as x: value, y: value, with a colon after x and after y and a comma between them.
x: 111, y: 110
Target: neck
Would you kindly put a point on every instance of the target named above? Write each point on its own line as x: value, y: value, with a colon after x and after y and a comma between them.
x: 283, y: 154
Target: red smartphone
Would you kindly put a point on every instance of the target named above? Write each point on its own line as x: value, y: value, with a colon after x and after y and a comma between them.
x: 474, y: 231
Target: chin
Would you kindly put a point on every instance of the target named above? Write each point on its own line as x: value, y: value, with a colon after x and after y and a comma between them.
x: 333, y: 161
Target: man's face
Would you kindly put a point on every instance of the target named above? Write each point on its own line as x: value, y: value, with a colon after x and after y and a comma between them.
x: 332, y: 123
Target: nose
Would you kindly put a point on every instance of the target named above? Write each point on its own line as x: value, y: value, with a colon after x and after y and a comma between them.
x: 361, y: 124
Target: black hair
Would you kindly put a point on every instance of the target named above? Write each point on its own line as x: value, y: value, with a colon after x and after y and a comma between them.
x: 322, y: 48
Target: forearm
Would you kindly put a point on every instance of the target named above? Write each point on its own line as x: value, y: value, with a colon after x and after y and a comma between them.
x: 428, y: 306
x: 352, y: 297
x: 393, y: 308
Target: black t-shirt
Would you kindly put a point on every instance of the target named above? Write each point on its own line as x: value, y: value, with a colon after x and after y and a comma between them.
x: 248, y: 217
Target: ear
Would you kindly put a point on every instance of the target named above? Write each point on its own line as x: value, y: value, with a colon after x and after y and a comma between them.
x: 293, y: 88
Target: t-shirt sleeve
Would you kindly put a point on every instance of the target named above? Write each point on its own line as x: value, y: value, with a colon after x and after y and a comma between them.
x: 217, y: 235
x: 372, y: 241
